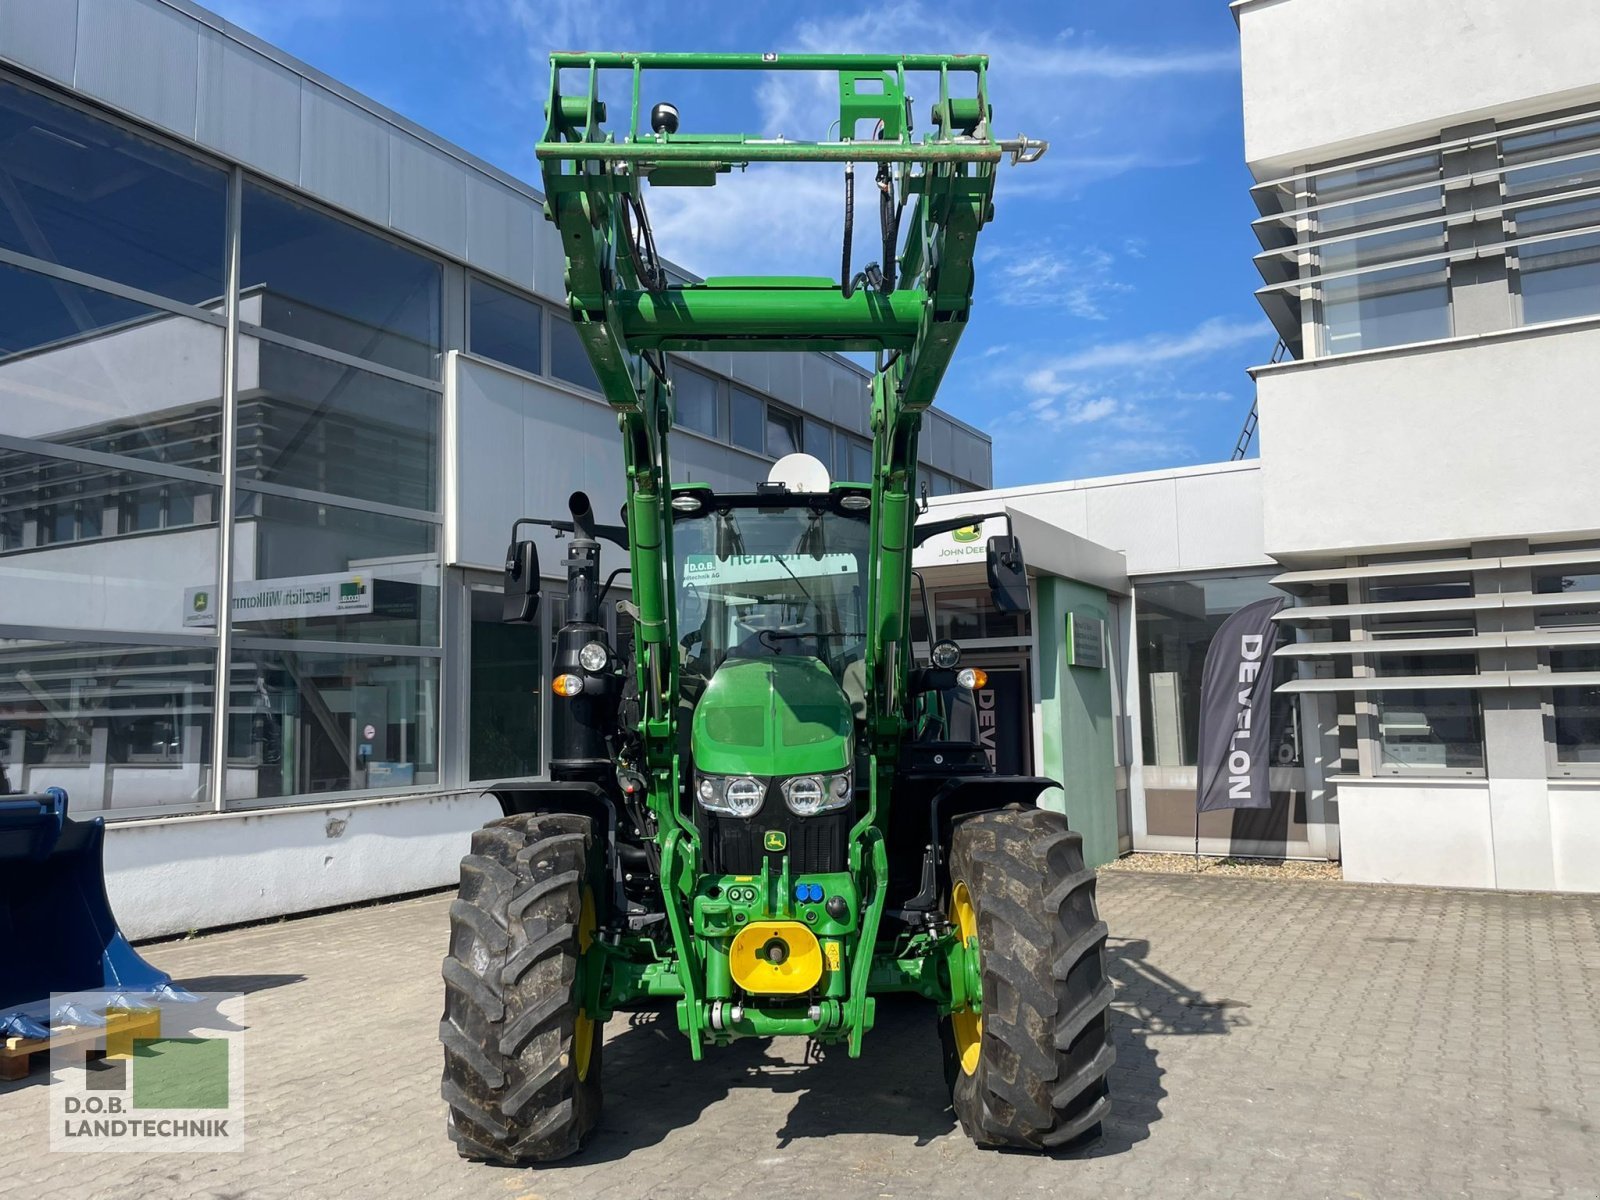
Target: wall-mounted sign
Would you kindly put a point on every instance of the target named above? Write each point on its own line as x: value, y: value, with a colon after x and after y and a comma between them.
x: 281, y: 599
x: 1086, y: 640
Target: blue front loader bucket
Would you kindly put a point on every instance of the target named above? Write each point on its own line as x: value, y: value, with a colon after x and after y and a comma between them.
x: 57, y: 933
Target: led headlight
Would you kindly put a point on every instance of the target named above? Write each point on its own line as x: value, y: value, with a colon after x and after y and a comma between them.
x: 808, y: 795
x: 733, y: 796
x: 593, y: 657
x: 946, y: 654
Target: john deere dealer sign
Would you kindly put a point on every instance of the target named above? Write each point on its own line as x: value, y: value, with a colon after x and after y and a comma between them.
x: 282, y: 599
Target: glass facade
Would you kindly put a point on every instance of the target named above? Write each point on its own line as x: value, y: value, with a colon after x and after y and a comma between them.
x: 113, y: 481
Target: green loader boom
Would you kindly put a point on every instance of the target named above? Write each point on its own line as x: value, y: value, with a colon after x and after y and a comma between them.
x: 772, y: 763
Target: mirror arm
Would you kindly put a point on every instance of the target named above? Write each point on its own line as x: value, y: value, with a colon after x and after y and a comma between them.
x: 921, y: 533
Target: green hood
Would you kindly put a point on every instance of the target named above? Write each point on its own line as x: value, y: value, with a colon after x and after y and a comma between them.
x: 776, y: 716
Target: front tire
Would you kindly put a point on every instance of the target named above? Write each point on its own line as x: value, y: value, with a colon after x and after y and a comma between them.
x: 1029, y: 1071
x: 521, y: 1057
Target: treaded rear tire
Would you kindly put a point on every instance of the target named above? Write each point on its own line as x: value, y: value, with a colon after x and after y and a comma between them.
x: 1040, y: 1079
x: 510, y: 1012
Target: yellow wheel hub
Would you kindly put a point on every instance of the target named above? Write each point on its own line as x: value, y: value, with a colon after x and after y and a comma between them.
x: 964, y: 1023
x: 584, y: 1030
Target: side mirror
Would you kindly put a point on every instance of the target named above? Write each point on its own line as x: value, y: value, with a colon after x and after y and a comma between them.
x: 521, y: 602
x: 1008, y: 574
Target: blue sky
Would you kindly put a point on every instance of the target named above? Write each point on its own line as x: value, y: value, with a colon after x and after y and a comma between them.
x: 1114, y: 317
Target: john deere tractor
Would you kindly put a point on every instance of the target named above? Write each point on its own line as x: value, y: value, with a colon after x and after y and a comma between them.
x: 764, y: 813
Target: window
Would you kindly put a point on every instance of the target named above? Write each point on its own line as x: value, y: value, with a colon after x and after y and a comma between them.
x: 1528, y: 157
x: 1559, y: 277
x: 390, y: 563
x: 314, y: 277
x: 694, y: 398
x: 1371, y: 294
x: 76, y: 369
x: 327, y: 722
x: 1174, y: 624
x: 1572, y: 710
x: 168, y: 504
x: 855, y: 460
x: 141, y: 714
x: 1386, y: 308
x: 969, y: 614
x: 819, y: 442
x: 1582, y: 583
x: 1418, y: 729
x: 747, y: 420
x: 46, y: 503
x: 569, y: 361
x: 506, y: 328
x: 1575, y: 711
x: 87, y: 194
x: 312, y: 423
x: 783, y: 431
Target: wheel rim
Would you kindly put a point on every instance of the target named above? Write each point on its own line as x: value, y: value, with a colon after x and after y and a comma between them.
x: 583, y: 1028
x: 964, y: 1023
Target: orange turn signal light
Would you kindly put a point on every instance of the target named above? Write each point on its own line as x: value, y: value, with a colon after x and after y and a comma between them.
x: 567, y: 685
x: 972, y: 677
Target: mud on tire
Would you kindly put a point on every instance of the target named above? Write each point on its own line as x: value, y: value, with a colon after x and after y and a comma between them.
x: 512, y: 1023
x: 1040, y: 1078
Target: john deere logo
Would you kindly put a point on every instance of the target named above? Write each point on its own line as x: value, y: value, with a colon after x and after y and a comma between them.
x: 202, y: 601
x: 967, y: 533
x: 774, y: 840
x: 352, y: 592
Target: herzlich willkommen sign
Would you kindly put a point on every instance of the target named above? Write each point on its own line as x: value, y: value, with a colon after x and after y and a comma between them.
x: 282, y: 599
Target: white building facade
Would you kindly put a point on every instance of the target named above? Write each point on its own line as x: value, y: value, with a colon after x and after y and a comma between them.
x: 1428, y: 178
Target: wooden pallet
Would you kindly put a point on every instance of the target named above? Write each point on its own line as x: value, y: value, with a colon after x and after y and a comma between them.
x: 121, y: 1028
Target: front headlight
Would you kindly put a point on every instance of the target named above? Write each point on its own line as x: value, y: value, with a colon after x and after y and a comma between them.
x: 808, y: 795
x: 731, y: 795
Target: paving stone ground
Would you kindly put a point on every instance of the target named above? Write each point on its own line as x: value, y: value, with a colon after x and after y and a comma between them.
x: 1274, y: 1039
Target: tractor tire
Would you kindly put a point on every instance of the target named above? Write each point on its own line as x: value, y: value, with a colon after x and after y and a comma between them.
x: 1029, y: 1071
x: 521, y: 1060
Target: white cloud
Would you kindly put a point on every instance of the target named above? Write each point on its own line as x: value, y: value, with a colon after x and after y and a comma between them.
x: 1080, y: 280
x: 1207, y: 338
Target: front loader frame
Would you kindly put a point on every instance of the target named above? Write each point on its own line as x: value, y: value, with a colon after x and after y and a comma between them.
x: 628, y: 312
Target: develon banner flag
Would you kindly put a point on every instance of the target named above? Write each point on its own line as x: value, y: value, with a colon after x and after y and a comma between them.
x: 1235, y: 698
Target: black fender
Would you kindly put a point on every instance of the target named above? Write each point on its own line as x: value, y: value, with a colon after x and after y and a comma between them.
x: 580, y: 798
x: 923, y: 814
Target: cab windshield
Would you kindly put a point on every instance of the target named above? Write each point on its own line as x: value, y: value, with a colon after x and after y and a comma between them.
x: 763, y: 581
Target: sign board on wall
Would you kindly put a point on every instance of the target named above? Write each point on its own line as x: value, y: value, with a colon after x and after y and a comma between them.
x: 1086, y: 640
x: 281, y: 599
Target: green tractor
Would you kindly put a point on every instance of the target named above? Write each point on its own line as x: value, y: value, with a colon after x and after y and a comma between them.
x: 763, y: 812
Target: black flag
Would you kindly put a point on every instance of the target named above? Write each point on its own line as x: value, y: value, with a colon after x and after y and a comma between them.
x: 1235, y: 698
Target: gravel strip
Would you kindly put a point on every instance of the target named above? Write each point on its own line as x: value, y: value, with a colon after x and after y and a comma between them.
x: 1247, y: 868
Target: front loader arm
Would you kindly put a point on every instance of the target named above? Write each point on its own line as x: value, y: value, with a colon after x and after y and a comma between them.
x: 630, y: 310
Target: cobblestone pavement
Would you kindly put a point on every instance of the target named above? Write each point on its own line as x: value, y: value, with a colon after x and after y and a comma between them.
x: 1273, y: 1040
